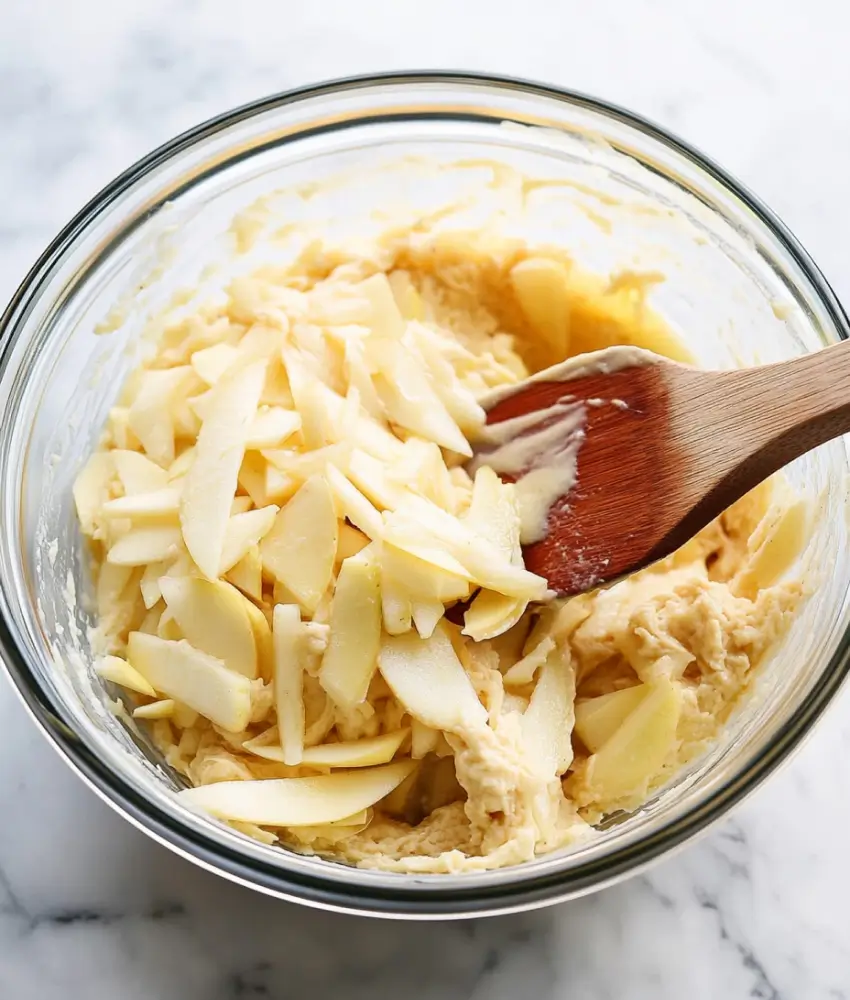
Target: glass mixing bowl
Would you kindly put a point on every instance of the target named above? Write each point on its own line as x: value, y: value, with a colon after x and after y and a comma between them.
x: 738, y: 289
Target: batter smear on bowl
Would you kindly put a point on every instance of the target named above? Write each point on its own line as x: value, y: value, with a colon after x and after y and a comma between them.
x: 280, y: 515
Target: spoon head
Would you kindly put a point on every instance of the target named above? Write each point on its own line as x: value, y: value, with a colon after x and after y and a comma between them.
x: 617, y: 515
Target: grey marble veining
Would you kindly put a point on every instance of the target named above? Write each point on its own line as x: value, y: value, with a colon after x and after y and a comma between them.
x: 89, y: 907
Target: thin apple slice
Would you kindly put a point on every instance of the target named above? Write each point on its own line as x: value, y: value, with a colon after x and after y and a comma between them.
x: 262, y: 639
x: 149, y: 583
x: 351, y: 657
x: 355, y: 753
x: 289, y: 655
x: 150, y: 415
x: 417, y: 521
x: 202, y: 682
x: 353, y: 504
x: 289, y: 802
x: 144, y: 545
x: 350, y: 543
x: 92, y: 489
x: 461, y: 404
x: 630, y: 759
x: 138, y: 474
x: 113, y: 668
x: 244, y: 532
x: 300, y: 549
x: 424, y: 579
x: 271, y: 427
x: 211, y: 480
x: 161, y: 505
x: 410, y: 400
x: 385, y: 318
x: 408, y: 300
x: 426, y: 615
x: 428, y: 679
x: 211, y: 363
x: 360, y: 378
x: 396, y: 605
x: 241, y: 505
x: 370, y: 477
x: 163, y: 709
x: 597, y: 719
x: 491, y: 614
x: 547, y: 723
x: 211, y: 615
x: 540, y: 287
x: 247, y: 574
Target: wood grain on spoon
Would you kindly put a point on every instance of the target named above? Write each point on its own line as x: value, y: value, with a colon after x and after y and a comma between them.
x: 667, y: 448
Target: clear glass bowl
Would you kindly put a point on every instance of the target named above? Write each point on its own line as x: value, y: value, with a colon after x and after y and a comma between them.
x: 739, y: 290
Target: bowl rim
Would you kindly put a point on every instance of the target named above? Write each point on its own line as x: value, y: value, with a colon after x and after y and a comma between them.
x: 412, y: 897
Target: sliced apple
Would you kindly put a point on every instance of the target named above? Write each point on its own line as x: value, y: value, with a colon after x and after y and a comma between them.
x: 597, y: 719
x: 356, y: 753
x: 247, y: 573
x: 244, y: 531
x: 385, y: 319
x: 360, y: 378
x: 423, y: 740
x: 313, y: 401
x: 271, y: 427
x: 144, y: 545
x: 458, y: 400
x: 289, y: 654
x: 350, y: 543
x: 150, y: 414
x: 523, y: 671
x: 428, y: 679
x: 547, y: 723
x: 241, y: 505
x: 162, y: 709
x: 408, y: 300
x: 92, y: 489
x: 417, y: 521
x: 161, y: 505
x: 491, y: 615
x: 113, y: 668
x: 201, y: 681
x: 629, y: 760
x: 370, y: 477
x: 424, y: 579
x: 353, y: 504
x: 289, y: 802
x: 211, y: 615
x: 540, y: 287
x: 300, y: 549
x: 149, y: 583
x: 351, y: 656
x: 211, y: 480
x: 409, y: 399
x: 262, y: 639
x: 773, y: 547
x: 211, y: 363
x: 426, y: 615
x: 332, y: 833
x: 138, y: 474
x: 179, y: 467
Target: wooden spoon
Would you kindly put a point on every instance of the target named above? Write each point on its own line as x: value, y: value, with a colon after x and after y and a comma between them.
x: 666, y: 448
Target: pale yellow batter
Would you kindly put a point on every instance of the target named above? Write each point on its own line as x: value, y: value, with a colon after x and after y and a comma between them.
x: 672, y: 649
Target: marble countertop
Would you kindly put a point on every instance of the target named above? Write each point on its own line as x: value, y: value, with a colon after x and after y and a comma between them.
x: 89, y: 907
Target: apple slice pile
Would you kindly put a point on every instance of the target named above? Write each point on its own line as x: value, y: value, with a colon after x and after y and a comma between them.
x: 280, y: 518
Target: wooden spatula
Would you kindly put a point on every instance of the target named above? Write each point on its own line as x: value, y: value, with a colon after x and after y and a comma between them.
x: 663, y: 449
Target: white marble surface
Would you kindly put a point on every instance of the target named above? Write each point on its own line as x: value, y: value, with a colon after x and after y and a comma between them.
x: 89, y: 908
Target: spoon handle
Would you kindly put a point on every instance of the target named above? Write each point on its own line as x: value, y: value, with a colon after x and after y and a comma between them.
x: 756, y: 420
